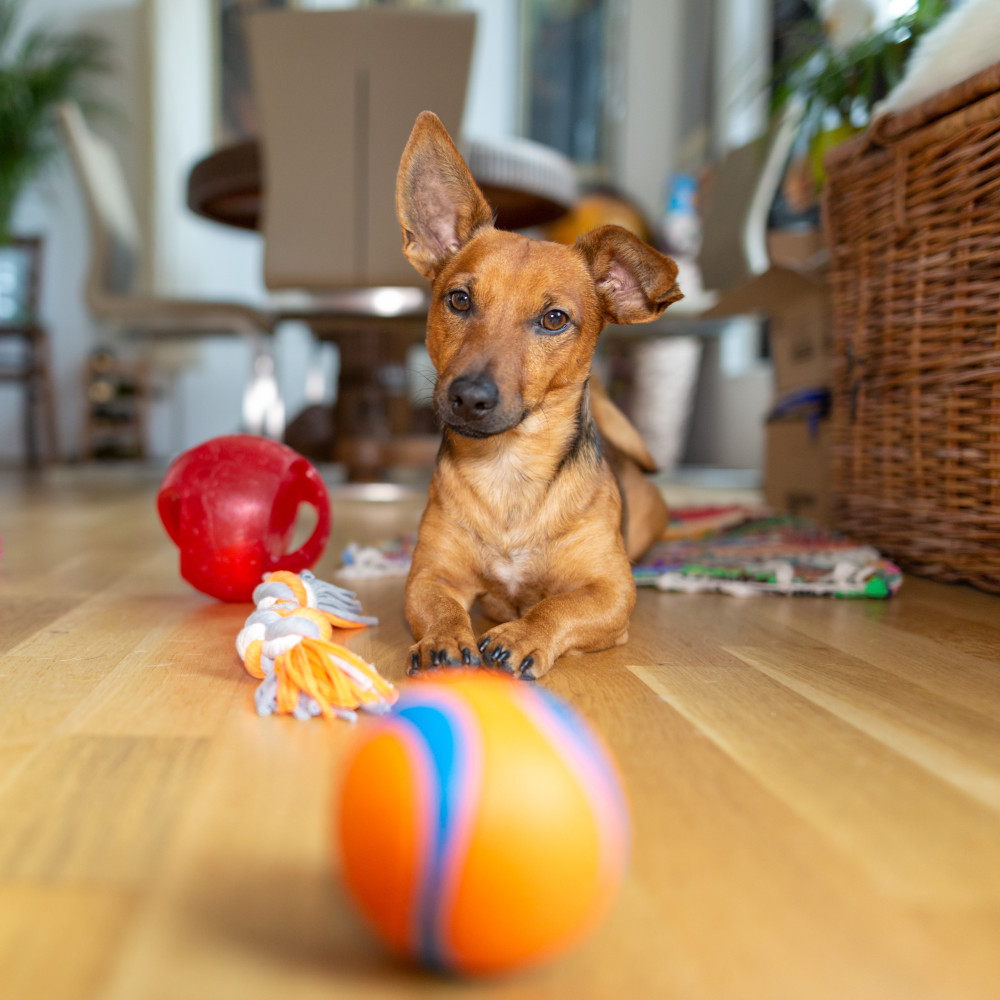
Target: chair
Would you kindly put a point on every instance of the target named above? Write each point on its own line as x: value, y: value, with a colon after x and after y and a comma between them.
x: 337, y: 93
x: 110, y: 290
x: 20, y: 272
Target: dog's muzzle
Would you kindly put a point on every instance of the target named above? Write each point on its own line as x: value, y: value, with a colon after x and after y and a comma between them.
x: 472, y: 407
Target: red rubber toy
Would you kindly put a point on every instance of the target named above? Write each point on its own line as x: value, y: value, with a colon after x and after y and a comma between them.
x: 230, y: 505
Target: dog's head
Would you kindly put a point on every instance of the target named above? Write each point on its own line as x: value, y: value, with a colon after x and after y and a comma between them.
x: 511, y: 319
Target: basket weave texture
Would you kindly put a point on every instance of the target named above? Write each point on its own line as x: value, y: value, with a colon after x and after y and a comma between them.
x: 912, y: 218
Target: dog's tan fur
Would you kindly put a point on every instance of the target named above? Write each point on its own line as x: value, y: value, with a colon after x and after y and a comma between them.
x: 525, y: 512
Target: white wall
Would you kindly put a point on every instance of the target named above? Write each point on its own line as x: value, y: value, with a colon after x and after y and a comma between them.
x: 191, y: 256
x: 743, y: 68
x: 646, y: 123
x: 493, y: 102
x: 54, y: 209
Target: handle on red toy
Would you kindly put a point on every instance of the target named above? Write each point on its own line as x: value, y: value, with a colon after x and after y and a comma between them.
x: 168, y: 505
x: 305, y: 486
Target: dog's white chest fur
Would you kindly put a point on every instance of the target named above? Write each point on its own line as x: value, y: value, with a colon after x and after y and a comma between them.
x: 511, y: 570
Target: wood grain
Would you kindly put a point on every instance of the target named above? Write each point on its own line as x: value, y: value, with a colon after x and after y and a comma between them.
x: 815, y: 784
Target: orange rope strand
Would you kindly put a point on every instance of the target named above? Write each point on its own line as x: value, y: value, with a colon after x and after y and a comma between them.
x: 287, y: 644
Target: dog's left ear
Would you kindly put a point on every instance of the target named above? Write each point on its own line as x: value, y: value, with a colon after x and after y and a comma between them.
x: 439, y: 205
x: 635, y: 283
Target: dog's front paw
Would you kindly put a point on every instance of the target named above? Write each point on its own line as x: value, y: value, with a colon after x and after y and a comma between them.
x: 514, y: 648
x: 434, y: 651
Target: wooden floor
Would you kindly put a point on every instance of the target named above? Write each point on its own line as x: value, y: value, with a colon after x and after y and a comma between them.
x: 815, y: 785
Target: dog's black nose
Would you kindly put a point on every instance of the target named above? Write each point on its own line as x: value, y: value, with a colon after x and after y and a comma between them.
x: 472, y: 397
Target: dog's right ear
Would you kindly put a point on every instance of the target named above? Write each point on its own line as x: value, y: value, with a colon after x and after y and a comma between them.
x: 634, y: 282
x: 438, y: 203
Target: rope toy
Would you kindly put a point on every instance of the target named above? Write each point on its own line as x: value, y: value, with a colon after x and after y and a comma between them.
x: 287, y: 644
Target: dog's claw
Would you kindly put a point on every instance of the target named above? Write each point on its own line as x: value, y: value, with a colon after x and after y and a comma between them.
x: 425, y: 659
x: 526, y: 669
x: 499, y: 657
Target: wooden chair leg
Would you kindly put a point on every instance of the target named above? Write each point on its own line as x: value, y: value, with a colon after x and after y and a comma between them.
x: 39, y: 402
x: 47, y: 402
x: 31, y: 452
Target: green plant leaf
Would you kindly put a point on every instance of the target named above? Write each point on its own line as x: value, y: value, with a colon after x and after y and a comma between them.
x: 36, y: 73
x: 848, y: 84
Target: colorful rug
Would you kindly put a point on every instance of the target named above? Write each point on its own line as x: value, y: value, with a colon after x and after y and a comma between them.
x: 779, y: 554
x: 385, y: 558
x: 731, y: 550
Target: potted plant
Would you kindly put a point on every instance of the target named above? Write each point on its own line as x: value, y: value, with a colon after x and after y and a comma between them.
x: 839, y: 84
x: 38, y: 69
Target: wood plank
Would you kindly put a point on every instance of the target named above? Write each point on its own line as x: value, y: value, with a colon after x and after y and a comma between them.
x: 959, y: 600
x: 59, y: 942
x: 745, y: 882
x: 60, y: 661
x: 893, y: 634
x: 247, y: 895
x: 919, y: 838
x: 107, y: 807
x: 113, y: 620
x: 184, y: 683
x: 957, y: 744
x: 23, y: 613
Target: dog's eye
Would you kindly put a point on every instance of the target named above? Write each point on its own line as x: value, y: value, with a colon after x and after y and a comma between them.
x: 460, y: 300
x: 555, y: 321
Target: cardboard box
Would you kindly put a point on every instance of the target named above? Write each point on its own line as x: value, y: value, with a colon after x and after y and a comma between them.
x: 800, y: 324
x: 797, y: 467
x: 802, y: 249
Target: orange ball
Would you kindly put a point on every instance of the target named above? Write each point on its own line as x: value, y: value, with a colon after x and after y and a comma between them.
x: 482, y: 825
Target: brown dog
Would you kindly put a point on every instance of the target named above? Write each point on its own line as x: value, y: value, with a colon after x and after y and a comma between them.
x: 526, y: 510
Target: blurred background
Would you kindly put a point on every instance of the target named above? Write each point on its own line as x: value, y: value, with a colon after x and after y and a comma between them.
x: 639, y: 101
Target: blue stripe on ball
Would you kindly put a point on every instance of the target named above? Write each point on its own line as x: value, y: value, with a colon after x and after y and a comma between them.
x: 446, y: 737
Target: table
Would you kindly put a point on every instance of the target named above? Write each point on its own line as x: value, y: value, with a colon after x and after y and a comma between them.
x: 226, y: 185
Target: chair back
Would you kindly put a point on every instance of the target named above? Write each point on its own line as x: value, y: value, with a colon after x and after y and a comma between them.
x: 20, y: 277
x: 734, y: 228
x: 114, y: 229
x: 337, y: 94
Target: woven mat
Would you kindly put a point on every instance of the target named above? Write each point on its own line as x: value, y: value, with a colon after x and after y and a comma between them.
x: 764, y: 555
x: 384, y: 558
x: 732, y: 550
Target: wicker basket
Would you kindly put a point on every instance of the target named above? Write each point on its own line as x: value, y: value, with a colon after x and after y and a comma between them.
x: 912, y: 216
